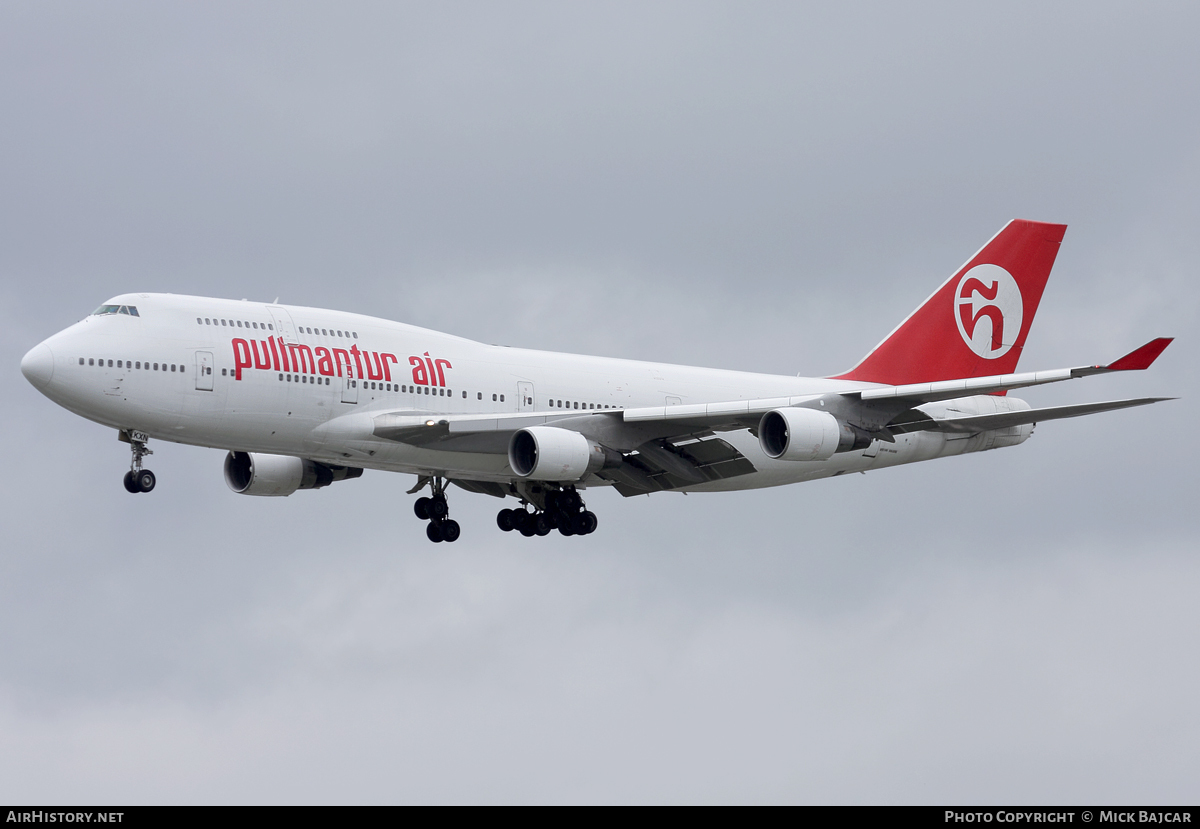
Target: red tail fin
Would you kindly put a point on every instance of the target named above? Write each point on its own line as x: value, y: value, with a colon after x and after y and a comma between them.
x: 976, y: 323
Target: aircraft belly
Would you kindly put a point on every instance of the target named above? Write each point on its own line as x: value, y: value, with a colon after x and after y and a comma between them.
x: 422, y: 462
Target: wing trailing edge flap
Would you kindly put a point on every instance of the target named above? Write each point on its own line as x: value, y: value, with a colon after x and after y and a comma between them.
x: 659, y: 465
x: 917, y: 421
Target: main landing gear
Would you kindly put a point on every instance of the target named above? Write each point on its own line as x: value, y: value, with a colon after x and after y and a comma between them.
x: 138, y: 479
x: 564, y: 511
x: 434, y: 509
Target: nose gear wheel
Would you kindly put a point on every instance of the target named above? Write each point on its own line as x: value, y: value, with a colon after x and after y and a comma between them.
x: 137, y: 479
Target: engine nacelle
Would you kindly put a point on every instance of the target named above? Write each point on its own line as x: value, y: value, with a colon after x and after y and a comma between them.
x: 807, y: 435
x: 252, y: 473
x: 983, y: 404
x: 548, y: 453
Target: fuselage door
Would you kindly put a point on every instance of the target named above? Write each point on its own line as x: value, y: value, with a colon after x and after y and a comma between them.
x: 525, y: 397
x: 349, y: 384
x: 204, y: 371
x: 283, y: 323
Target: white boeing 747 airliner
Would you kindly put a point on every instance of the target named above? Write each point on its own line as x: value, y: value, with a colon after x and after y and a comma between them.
x: 303, y: 397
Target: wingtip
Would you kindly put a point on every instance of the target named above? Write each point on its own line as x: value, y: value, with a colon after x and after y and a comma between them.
x: 1141, y: 358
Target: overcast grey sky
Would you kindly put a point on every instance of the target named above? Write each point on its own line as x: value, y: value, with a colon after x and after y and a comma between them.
x: 766, y: 186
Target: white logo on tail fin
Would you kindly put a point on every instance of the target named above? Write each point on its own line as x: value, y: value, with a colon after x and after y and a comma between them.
x: 988, y: 309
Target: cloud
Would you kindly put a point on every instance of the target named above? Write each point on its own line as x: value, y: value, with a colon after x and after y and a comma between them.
x: 513, y: 678
x: 768, y: 189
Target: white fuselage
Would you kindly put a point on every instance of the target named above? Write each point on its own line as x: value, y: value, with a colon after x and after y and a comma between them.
x: 307, y: 382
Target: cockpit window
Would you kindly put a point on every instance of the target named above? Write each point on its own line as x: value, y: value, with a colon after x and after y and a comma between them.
x: 104, y: 310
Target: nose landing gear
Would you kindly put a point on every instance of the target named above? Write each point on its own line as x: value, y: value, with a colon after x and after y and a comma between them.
x: 435, y: 510
x: 137, y: 479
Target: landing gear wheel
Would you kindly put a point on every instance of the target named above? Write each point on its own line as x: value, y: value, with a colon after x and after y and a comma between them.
x: 527, y: 525
x: 434, y: 509
x: 506, y: 520
x: 588, y: 523
x: 137, y: 479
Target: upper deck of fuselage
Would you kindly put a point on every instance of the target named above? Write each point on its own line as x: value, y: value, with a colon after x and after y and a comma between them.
x: 195, y: 321
x: 165, y: 313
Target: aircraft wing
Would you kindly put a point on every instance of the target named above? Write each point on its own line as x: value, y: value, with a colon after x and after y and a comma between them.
x: 650, y: 461
x: 875, y: 408
x: 740, y: 413
x: 1136, y: 360
x: 665, y: 447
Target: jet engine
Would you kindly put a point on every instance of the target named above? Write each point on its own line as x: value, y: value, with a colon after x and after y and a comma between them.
x: 548, y: 453
x: 807, y: 435
x: 252, y: 473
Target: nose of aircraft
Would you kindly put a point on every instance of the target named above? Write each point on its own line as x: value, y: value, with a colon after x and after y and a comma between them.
x: 38, y: 365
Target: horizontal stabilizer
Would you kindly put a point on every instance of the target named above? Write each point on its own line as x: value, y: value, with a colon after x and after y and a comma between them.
x: 1004, y: 420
